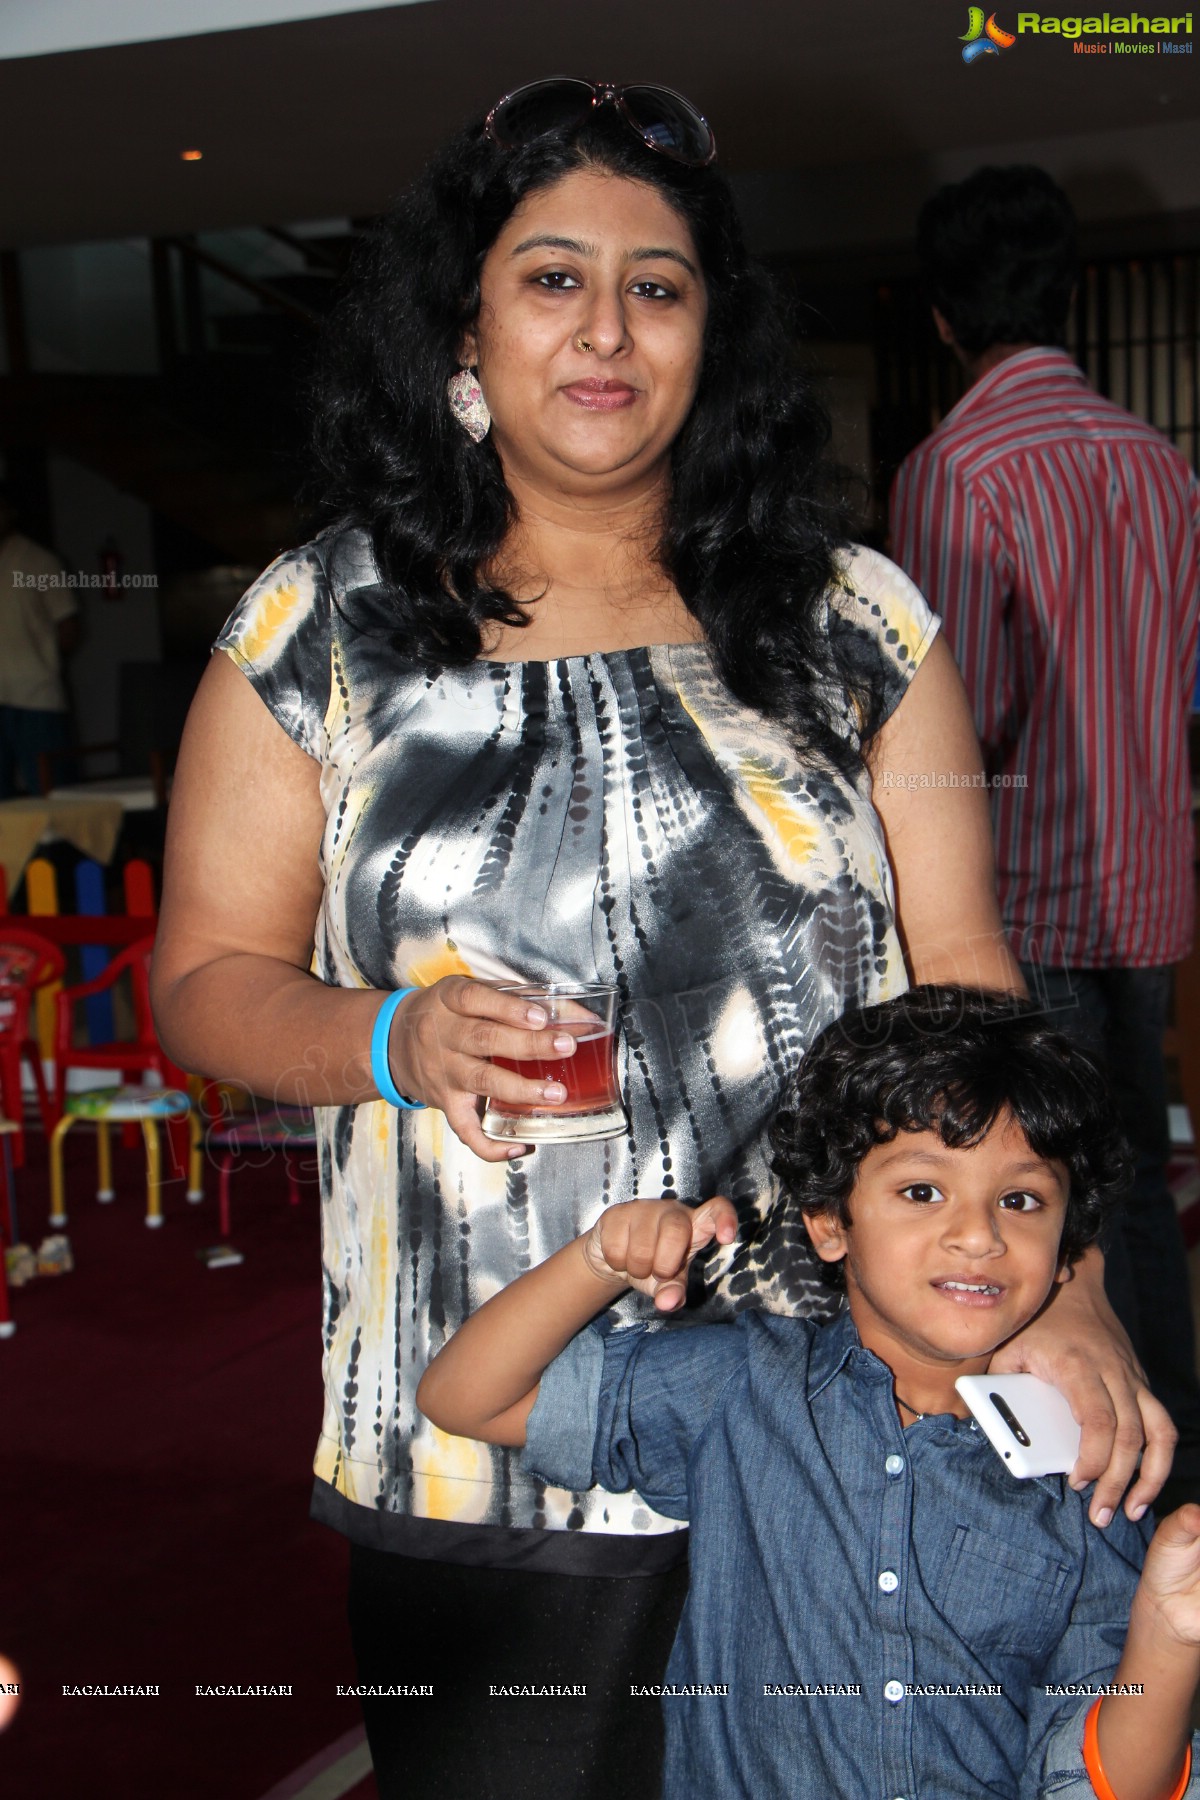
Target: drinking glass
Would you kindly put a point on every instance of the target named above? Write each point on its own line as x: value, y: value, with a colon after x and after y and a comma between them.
x: 592, y: 1108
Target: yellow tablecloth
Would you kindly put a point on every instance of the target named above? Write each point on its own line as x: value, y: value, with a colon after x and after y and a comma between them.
x: 91, y: 825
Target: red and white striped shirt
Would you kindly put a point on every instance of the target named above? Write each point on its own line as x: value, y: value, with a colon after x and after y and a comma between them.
x: 1059, y: 538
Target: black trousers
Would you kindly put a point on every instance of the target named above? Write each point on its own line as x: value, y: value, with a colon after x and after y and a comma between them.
x: 468, y: 1632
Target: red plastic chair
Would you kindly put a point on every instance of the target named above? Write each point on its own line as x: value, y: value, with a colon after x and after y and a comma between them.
x: 8, y: 1223
x: 27, y: 962
x: 130, y: 1057
x: 236, y: 1140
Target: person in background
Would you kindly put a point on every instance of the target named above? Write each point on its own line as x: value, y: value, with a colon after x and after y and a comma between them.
x: 39, y: 627
x: 1059, y: 538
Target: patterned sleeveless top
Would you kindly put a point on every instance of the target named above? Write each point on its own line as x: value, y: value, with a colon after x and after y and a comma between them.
x: 618, y: 817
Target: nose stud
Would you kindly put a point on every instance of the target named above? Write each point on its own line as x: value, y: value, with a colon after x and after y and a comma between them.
x: 580, y: 344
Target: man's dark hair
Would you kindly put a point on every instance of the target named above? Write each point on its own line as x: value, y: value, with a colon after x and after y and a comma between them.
x: 754, y: 518
x: 999, y: 256
x: 950, y: 1060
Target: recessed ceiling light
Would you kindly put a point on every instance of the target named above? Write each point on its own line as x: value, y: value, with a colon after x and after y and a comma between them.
x: 190, y: 155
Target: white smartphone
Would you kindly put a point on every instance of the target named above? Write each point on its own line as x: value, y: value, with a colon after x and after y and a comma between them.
x: 1028, y: 1423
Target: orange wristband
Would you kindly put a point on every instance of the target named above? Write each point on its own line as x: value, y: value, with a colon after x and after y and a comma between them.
x: 1095, y: 1768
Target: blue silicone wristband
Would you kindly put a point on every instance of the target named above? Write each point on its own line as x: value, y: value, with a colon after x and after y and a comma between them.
x: 381, y: 1073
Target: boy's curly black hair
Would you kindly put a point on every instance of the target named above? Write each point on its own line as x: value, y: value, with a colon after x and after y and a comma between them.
x: 950, y: 1060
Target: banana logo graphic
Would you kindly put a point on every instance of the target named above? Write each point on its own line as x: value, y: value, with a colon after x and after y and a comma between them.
x: 984, y: 37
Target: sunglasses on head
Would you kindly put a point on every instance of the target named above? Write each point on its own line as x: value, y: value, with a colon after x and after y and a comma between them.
x: 661, y: 118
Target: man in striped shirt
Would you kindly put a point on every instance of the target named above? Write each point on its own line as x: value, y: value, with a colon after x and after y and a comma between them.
x: 1059, y: 538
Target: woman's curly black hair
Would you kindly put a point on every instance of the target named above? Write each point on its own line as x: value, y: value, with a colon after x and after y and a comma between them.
x: 950, y: 1060
x: 755, y: 516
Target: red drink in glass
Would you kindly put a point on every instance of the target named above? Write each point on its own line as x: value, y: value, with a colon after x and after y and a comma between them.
x: 592, y: 1108
x: 589, y: 1076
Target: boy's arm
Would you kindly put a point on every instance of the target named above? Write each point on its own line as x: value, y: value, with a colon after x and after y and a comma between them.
x: 483, y: 1384
x: 1143, y: 1735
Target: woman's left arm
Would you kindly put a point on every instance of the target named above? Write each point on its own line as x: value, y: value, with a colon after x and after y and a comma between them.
x: 939, y: 841
x: 939, y: 838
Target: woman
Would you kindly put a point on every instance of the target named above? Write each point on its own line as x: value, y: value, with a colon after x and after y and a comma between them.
x: 581, y: 683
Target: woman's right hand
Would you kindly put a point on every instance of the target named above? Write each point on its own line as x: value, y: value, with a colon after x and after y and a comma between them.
x: 442, y: 1039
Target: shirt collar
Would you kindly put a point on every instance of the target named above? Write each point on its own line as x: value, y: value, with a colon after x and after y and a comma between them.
x: 837, y: 1347
x: 834, y: 1347
x: 1026, y: 370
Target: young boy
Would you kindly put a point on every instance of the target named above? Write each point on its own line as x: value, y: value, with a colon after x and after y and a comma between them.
x: 877, y: 1608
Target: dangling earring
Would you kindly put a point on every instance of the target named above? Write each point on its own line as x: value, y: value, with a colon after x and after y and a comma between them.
x: 468, y: 404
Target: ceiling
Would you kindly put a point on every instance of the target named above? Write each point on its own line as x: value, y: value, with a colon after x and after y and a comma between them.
x: 54, y: 25
x: 329, y: 116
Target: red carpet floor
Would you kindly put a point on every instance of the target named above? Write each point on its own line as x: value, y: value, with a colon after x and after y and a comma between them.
x: 157, y: 1422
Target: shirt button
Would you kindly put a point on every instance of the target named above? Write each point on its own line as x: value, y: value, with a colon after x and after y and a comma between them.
x: 894, y: 1465
x: 889, y: 1581
x: 893, y: 1691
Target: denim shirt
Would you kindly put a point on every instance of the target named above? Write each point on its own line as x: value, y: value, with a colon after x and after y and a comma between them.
x: 853, y: 1585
